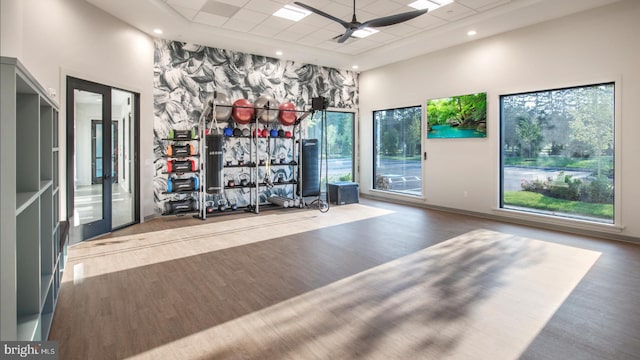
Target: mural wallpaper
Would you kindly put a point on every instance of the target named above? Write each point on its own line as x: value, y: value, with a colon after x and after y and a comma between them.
x: 185, y: 74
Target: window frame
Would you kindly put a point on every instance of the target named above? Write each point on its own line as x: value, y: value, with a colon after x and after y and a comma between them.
x: 392, y: 193
x: 615, y: 225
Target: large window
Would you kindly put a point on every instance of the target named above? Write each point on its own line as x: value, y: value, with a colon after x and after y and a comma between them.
x: 339, y: 143
x: 397, y: 144
x: 558, y: 152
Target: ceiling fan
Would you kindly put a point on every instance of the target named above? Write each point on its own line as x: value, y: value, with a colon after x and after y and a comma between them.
x: 355, y: 25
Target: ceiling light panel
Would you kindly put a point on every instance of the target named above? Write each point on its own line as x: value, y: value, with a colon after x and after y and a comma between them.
x: 429, y: 4
x: 292, y: 12
x: 363, y: 33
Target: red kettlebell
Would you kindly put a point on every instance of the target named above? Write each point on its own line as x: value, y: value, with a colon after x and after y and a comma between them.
x: 288, y: 134
x: 264, y: 133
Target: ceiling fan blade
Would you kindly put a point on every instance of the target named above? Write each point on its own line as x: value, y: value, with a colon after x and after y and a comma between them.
x: 324, y: 14
x: 393, y: 19
x: 347, y: 34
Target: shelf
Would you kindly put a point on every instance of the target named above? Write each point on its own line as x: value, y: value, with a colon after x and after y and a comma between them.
x: 181, y: 172
x: 182, y: 213
x: 31, y: 179
x: 24, y: 199
x: 47, y: 319
x: 27, y: 326
x: 45, y: 283
x: 180, y: 157
x: 179, y: 192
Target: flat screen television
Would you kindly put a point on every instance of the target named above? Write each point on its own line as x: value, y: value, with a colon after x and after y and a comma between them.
x: 463, y: 116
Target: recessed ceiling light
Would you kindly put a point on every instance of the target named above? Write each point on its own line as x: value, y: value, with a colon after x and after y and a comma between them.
x: 471, y: 32
x: 279, y: 53
x: 363, y: 33
x: 157, y: 31
x: 429, y: 4
x: 354, y: 67
x: 291, y: 12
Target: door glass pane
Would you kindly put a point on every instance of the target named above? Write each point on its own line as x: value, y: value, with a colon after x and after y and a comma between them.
x: 339, y: 143
x: 397, y: 143
x: 122, y: 180
x: 88, y: 200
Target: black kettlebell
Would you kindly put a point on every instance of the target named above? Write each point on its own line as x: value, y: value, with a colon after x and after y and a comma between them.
x: 281, y: 133
x: 222, y: 207
x: 237, y: 132
x: 234, y: 207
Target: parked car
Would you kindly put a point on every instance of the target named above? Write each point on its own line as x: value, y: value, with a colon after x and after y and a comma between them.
x: 399, y: 182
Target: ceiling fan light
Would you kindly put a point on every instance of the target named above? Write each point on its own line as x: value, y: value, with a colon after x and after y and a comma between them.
x: 429, y: 4
x: 291, y: 12
x: 363, y: 33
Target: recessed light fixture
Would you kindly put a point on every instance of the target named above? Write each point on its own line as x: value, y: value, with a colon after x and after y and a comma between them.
x: 354, y: 67
x: 429, y: 4
x: 157, y: 31
x: 363, y: 33
x: 471, y: 33
x: 279, y: 53
x: 291, y: 12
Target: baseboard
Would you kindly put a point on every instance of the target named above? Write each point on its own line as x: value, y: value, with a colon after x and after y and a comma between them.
x: 511, y: 220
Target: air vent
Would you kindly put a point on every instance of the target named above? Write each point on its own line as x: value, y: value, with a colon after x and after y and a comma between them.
x: 219, y: 8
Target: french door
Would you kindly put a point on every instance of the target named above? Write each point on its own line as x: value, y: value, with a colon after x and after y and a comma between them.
x: 100, y: 198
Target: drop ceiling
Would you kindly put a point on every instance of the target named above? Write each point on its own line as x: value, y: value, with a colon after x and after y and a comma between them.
x: 249, y: 26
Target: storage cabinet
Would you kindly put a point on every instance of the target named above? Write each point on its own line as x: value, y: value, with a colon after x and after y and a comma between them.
x: 31, y: 256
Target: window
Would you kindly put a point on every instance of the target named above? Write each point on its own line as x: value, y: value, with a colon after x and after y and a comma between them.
x: 558, y: 152
x: 339, y: 143
x: 397, y: 144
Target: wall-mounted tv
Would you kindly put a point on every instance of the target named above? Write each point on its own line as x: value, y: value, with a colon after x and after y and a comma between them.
x: 463, y: 116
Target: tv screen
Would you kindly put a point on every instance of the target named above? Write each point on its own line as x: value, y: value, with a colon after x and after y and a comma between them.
x: 463, y: 116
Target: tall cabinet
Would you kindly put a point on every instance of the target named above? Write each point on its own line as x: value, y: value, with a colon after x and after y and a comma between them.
x: 31, y: 252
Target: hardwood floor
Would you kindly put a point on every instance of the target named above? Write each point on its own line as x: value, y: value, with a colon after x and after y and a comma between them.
x: 302, y: 295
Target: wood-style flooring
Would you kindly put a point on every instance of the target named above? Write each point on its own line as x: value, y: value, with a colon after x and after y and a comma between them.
x: 399, y: 282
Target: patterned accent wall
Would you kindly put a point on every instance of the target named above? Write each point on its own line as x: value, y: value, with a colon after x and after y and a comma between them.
x: 185, y: 74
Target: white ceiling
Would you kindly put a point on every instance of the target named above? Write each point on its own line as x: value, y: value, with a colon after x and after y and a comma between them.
x: 250, y: 27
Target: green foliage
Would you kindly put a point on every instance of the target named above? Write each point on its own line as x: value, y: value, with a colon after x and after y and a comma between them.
x: 538, y: 201
x: 529, y: 134
x: 599, y: 190
x: 390, y: 142
x: 467, y: 110
x: 346, y: 177
x: 564, y: 187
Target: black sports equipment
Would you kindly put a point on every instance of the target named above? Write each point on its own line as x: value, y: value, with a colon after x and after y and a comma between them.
x: 179, y: 206
x: 355, y: 25
x: 215, y: 164
x: 310, y: 168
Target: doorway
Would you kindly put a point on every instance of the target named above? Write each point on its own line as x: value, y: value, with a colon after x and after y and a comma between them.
x: 102, y: 165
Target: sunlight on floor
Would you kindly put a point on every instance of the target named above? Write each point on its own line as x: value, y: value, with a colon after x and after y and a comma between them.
x: 116, y: 254
x: 481, y: 295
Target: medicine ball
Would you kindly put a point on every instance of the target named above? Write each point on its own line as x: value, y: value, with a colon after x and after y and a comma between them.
x: 242, y: 111
x: 287, y: 114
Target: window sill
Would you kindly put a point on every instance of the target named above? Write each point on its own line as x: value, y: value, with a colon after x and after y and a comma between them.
x: 553, y: 220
